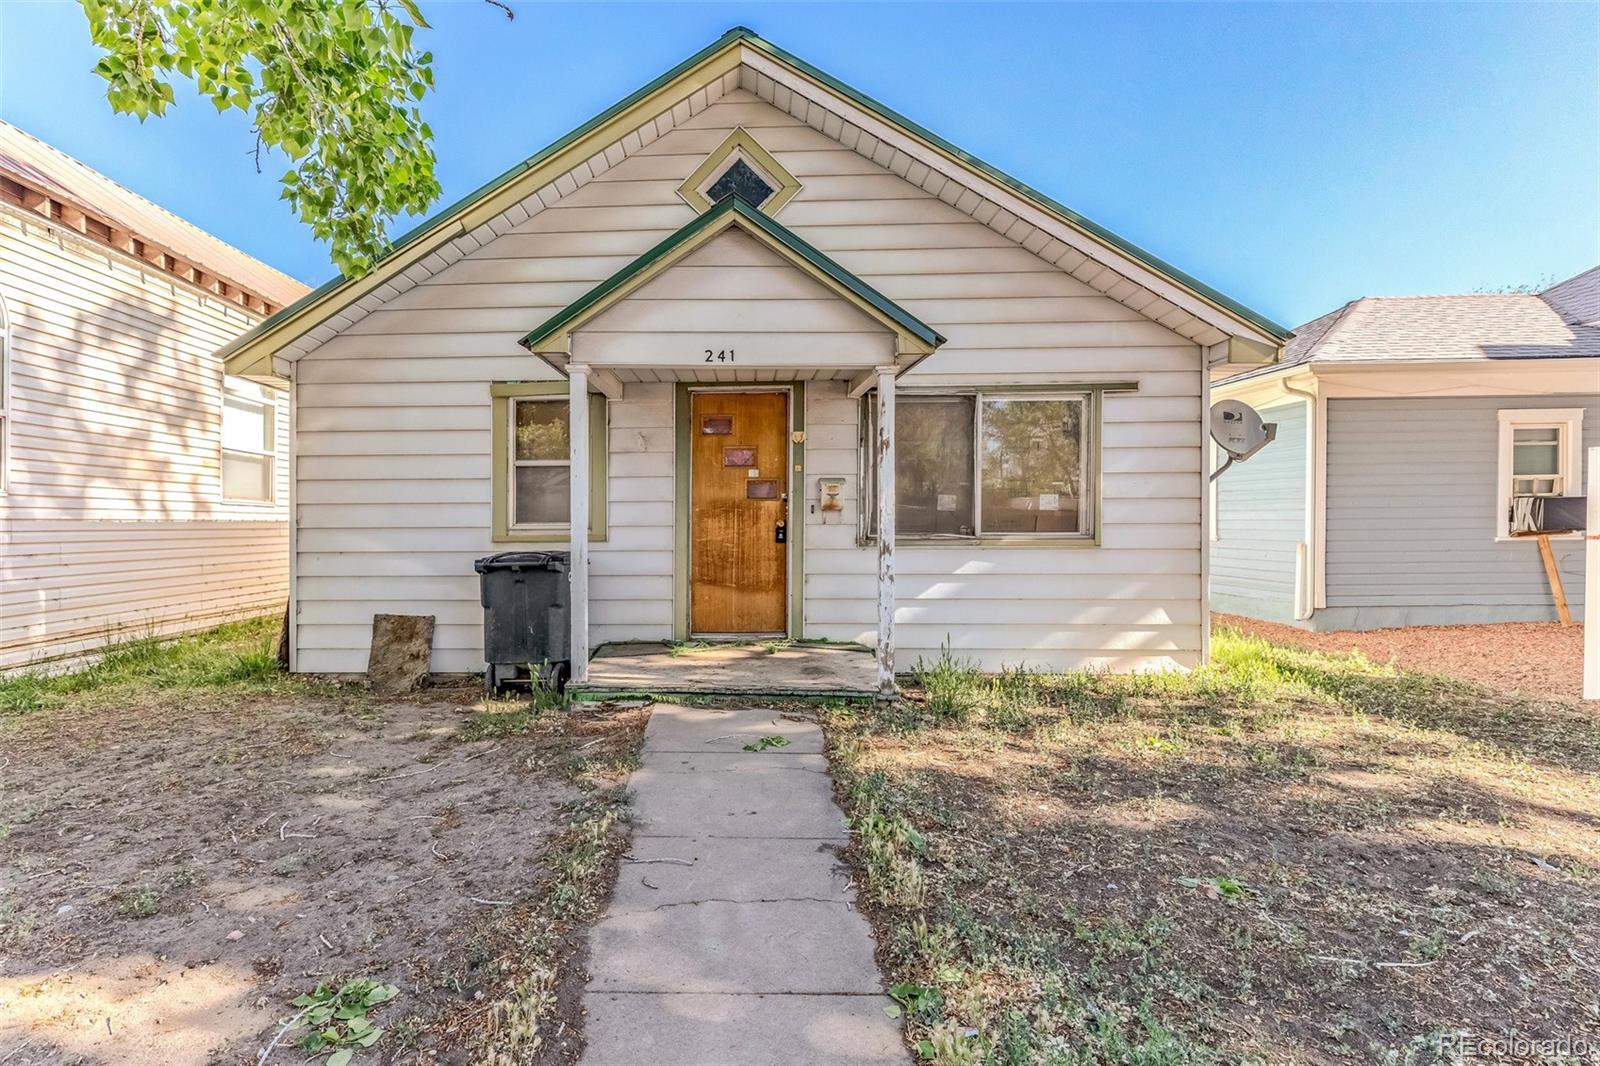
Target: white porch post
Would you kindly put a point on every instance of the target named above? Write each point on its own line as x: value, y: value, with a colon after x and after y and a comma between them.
x: 1591, y: 584
x: 886, y: 531
x: 578, y: 445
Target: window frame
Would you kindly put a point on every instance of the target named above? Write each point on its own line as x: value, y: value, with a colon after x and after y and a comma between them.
x: 1092, y: 397
x: 504, y: 396
x: 233, y: 390
x: 740, y: 145
x: 1568, y: 422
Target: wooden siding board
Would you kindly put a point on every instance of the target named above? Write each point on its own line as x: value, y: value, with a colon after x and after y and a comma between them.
x: 115, y: 419
x: 1411, y: 516
x: 432, y: 351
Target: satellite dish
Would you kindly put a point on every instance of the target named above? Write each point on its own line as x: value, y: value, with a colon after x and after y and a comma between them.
x: 1239, y: 431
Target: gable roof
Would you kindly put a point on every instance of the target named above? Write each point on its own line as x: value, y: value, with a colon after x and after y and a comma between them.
x: 1039, y: 222
x: 1562, y: 322
x: 729, y: 212
x: 32, y: 163
x: 1578, y: 298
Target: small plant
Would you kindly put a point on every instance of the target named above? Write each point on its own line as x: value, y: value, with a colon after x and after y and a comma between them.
x: 337, y: 1019
x: 1219, y: 887
x: 512, y: 718
x: 776, y: 740
x: 142, y: 903
x: 954, y: 686
x: 913, y: 997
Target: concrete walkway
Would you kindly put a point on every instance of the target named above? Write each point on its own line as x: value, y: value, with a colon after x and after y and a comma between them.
x: 732, y: 936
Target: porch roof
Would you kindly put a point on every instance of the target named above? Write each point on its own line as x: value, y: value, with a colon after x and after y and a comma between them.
x: 552, y: 337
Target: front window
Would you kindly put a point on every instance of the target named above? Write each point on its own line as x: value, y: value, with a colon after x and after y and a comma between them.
x: 988, y: 465
x: 249, y: 445
x: 1540, y: 458
x: 541, y: 481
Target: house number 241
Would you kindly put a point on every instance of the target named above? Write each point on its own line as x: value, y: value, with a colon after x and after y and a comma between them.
x: 723, y: 356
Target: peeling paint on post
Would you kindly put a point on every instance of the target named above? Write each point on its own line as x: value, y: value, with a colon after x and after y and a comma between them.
x: 578, y: 571
x: 886, y: 532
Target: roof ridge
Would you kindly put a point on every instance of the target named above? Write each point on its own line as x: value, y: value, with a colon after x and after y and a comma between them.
x: 1341, y: 322
x: 448, y: 223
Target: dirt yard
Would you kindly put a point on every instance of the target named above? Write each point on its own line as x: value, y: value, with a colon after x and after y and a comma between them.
x: 1289, y: 858
x: 1534, y: 659
x: 179, y: 864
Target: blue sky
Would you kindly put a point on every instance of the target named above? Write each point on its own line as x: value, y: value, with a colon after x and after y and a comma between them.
x: 1292, y: 155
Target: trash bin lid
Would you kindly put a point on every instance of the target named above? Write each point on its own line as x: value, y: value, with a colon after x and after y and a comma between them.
x: 521, y: 561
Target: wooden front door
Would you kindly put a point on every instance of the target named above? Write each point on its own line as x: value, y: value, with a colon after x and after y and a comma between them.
x: 738, y: 511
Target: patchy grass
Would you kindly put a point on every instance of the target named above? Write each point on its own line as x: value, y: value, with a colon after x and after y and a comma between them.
x: 1287, y: 856
x: 195, y: 850
x: 239, y: 658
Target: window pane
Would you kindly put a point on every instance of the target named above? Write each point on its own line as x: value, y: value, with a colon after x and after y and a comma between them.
x: 740, y: 178
x: 245, y: 426
x: 933, y: 467
x: 1533, y: 486
x: 246, y: 477
x: 1032, y: 466
x: 1547, y: 433
x: 1537, y: 458
x: 542, y: 495
x: 541, y: 429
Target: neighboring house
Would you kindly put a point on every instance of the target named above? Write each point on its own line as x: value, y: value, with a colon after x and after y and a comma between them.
x: 674, y: 328
x: 138, y: 494
x: 1405, y: 427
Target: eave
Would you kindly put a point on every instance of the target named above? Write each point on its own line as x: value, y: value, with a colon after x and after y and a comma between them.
x: 914, y: 336
x: 251, y: 353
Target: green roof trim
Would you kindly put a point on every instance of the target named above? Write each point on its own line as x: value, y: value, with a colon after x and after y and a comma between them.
x: 750, y: 37
x: 780, y: 234
x: 438, y: 217
x: 1155, y: 262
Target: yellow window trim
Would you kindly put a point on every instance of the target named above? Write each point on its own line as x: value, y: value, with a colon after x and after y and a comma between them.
x: 501, y: 394
x: 740, y: 142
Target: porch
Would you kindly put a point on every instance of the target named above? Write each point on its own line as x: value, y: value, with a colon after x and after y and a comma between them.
x: 699, y: 668
x: 737, y: 313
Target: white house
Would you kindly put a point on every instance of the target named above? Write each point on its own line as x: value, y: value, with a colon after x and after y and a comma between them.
x: 1407, y: 426
x: 140, y: 494
x: 794, y: 364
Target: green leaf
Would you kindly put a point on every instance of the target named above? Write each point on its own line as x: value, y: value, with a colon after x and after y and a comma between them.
x: 341, y: 1057
x: 382, y: 994
x: 925, y: 1049
x: 893, y: 1010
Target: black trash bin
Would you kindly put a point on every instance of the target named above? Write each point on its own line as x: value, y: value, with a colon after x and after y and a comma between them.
x: 527, y: 632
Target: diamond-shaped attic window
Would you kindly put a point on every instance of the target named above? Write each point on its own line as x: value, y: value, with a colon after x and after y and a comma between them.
x: 740, y: 178
x: 738, y: 166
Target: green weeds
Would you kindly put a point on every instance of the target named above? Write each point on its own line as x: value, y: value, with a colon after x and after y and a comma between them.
x: 240, y: 656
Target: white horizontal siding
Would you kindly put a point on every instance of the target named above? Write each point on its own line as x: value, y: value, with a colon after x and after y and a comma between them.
x: 112, y: 524
x: 1261, y: 523
x: 394, y: 417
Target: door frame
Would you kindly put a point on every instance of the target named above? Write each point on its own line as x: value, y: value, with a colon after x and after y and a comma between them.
x: 794, y: 568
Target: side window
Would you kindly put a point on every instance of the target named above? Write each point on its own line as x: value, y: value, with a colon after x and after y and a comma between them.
x: 531, y: 473
x: 249, y: 443
x: 1541, y: 455
x: 988, y: 465
x: 541, y: 474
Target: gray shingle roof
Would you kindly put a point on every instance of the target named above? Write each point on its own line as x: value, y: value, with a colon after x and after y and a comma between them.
x: 1563, y: 322
x: 1577, y: 298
